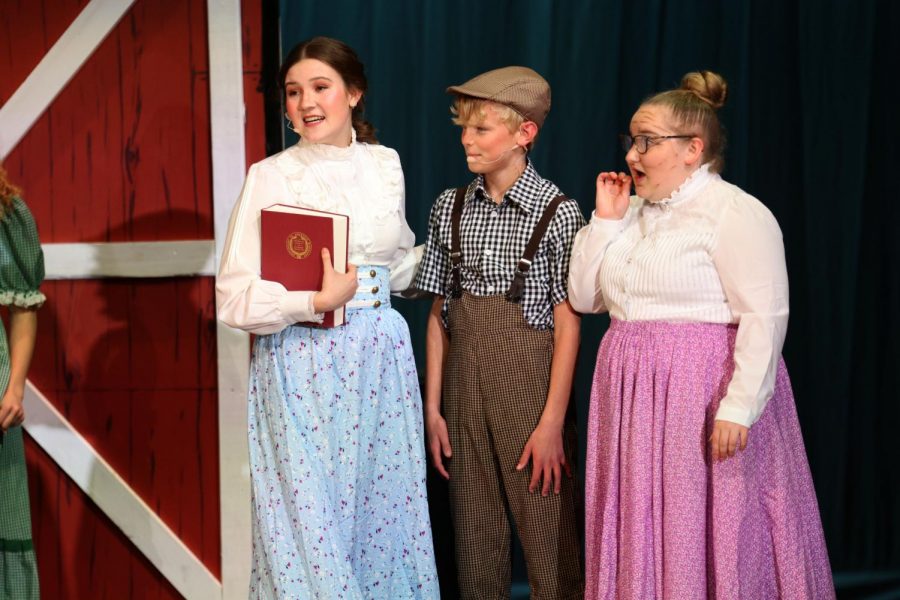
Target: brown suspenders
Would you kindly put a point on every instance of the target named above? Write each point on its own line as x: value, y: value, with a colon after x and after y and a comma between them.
x: 517, y: 287
x: 455, y: 246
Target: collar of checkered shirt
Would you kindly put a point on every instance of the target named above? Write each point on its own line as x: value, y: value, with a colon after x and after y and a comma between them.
x: 523, y: 192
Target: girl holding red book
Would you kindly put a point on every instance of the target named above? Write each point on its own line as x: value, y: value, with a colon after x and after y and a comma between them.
x: 336, y: 450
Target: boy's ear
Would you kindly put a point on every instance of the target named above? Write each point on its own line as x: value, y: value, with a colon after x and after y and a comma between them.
x: 526, y: 134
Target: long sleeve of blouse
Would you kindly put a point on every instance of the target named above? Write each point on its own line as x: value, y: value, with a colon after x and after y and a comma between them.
x: 749, y: 259
x: 588, y: 250
x: 363, y: 181
x: 710, y: 253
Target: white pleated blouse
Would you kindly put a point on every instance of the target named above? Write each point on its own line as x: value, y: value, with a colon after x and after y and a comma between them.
x: 364, y: 181
x: 709, y: 253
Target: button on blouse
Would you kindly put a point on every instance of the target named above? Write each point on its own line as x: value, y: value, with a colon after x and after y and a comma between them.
x: 709, y: 253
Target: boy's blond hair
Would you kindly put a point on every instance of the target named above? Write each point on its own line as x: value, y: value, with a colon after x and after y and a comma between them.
x: 468, y: 110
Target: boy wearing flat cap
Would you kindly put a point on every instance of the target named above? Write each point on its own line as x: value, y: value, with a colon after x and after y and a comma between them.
x: 501, y: 346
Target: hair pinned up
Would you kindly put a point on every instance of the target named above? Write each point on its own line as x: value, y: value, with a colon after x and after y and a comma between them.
x: 708, y: 86
x: 693, y: 107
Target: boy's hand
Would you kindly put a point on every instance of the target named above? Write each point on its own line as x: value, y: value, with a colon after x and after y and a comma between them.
x: 545, y: 449
x: 438, y: 442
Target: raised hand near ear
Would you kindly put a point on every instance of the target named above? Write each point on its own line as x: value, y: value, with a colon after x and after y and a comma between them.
x: 613, y: 195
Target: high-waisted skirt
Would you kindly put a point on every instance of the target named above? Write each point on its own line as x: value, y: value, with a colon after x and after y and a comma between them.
x: 337, y: 459
x: 663, y: 520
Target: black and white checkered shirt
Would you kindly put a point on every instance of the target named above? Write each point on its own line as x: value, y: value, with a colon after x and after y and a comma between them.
x: 493, y: 237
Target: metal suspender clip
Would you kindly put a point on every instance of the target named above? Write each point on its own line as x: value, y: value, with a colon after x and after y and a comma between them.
x: 455, y: 245
x: 517, y: 287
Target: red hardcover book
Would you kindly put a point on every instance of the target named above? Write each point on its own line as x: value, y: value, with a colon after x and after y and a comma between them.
x: 291, y: 250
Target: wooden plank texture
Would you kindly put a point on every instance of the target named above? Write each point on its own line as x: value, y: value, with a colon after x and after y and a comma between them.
x: 131, y: 363
x: 28, y: 33
x: 80, y: 553
x: 122, y: 155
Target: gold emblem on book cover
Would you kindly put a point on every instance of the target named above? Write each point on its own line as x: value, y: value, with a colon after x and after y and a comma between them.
x: 299, y: 245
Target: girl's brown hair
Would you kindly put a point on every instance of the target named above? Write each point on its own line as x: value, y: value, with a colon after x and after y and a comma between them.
x: 7, y: 191
x: 340, y: 57
x: 694, y: 106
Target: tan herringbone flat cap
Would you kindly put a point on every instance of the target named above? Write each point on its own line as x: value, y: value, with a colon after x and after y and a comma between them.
x: 519, y: 88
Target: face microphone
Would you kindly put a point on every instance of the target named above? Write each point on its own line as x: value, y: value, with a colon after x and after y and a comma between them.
x: 475, y: 159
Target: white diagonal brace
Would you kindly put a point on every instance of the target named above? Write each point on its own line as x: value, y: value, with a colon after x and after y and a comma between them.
x: 58, y: 66
x: 143, y: 527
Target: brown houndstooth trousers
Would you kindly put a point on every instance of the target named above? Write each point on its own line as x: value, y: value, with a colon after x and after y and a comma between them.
x: 495, y: 386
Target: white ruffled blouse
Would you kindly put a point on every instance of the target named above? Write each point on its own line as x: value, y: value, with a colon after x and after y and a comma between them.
x: 709, y: 253
x: 364, y: 181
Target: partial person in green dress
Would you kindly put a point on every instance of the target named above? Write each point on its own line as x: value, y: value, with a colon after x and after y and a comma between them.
x: 21, y: 273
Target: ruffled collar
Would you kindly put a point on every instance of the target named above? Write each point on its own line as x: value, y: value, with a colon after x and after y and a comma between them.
x: 695, y: 182
x: 325, y: 177
x: 329, y: 152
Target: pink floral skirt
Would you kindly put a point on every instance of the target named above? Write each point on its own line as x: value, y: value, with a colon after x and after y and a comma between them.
x: 662, y: 520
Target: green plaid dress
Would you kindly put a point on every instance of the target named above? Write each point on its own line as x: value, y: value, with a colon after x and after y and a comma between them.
x: 21, y: 273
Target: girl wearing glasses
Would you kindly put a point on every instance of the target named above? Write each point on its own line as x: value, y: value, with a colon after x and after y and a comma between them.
x: 696, y: 481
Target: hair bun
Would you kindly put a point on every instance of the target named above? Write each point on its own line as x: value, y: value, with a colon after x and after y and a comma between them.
x: 708, y: 86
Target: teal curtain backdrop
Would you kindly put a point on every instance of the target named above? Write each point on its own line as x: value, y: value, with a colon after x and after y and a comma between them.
x: 813, y: 127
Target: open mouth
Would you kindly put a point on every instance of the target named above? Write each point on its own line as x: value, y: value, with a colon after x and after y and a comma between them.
x: 637, y: 175
x: 312, y: 120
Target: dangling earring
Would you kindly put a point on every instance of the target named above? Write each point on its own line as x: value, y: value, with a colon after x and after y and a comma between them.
x: 290, y: 124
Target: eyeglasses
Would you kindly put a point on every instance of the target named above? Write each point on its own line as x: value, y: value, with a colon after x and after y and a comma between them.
x: 643, y: 142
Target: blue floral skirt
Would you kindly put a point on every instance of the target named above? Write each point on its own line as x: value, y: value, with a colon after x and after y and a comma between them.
x: 337, y: 459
